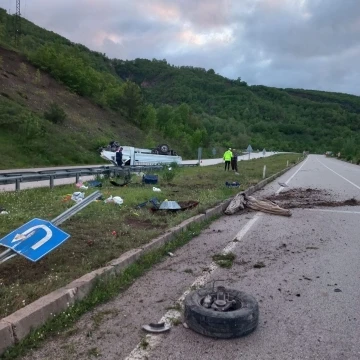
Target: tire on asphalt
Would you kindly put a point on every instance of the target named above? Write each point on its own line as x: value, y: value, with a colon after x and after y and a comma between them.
x: 222, y: 325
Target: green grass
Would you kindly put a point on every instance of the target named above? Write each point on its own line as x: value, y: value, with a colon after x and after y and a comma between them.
x: 224, y: 260
x: 104, y: 290
x: 92, y: 243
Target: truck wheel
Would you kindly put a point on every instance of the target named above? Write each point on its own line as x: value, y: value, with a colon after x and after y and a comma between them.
x: 240, y: 321
x: 164, y: 148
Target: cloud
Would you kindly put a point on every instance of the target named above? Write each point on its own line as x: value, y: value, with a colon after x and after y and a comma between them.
x: 311, y: 44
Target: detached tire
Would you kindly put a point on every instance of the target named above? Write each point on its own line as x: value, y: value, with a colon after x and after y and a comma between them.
x: 222, y: 325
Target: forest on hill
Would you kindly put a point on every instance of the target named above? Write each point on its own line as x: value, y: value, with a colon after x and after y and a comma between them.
x: 191, y: 107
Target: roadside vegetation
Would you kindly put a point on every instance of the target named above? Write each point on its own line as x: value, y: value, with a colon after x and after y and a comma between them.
x: 187, y: 107
x: 104, y: 231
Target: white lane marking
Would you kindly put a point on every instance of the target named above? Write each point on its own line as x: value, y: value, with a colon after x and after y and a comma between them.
x: 141, y: 353
x: 350, y: 182
x: 292, y: 176
x: 335, y: 211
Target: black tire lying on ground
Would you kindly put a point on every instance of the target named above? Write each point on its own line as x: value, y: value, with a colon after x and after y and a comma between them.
x: 223, y: 325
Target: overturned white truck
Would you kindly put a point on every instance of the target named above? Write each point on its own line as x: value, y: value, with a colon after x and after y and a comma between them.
x: 135, y: 156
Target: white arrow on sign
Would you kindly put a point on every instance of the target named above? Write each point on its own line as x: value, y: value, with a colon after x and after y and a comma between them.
x: 29, y: 232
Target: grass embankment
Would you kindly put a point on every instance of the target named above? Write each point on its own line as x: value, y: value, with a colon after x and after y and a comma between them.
x: 102, y: 232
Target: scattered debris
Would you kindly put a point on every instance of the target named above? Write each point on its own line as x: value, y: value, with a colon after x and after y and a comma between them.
x: 150, y: 179
x: 242, y: 201
x: 156, y: 189
x: 156, y: 328
x: 184, y: 205
x: 235, y: 184
x: 309, y: 198
x: 94, y: 183
x: 116, y: 200
x: 185, y: 325
x: 4, y: 212
x: 283, y: 184
x: 171, y: 254
x: 113, y: 182
x: 337, y: 290
x: 259, y: 265
x: 169, y: 205
x: 224, y: 260
x: 78, y: 196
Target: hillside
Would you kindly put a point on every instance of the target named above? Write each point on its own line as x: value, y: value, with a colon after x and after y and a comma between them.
x: 26, y: 137
x: 287, y: 119
x: 141, y: 102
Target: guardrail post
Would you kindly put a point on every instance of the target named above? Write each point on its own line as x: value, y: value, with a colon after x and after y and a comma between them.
x: 77, y: 178
x: 287, y: 163
x: 51, y: 181
x: 17, y: 185
x: 264, y: 172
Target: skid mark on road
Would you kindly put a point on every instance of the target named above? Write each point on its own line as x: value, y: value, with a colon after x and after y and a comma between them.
x: 292, y: 176
x: 343, y: 177
x: 141, y: 352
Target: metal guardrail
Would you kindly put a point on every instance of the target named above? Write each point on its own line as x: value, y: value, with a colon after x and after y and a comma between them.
x: 20, y: 177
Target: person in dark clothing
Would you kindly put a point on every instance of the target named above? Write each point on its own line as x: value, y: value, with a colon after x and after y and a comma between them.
x: 118, y: 157
x: 234, y: 161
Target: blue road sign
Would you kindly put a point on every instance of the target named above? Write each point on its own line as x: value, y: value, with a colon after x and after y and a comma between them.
x: 249, y: 149
x: 35, y: 239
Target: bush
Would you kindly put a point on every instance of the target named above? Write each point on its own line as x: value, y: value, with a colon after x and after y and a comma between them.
x: 168, y: 175
x: 55, y: 114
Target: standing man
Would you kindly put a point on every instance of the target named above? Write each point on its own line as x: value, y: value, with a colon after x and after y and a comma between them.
x: 119, y: 156
x: 227, y: 157
x: 234, y: 161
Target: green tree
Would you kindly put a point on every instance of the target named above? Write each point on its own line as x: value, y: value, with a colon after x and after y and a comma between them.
x: 132, y: 99
x: 148, y: 121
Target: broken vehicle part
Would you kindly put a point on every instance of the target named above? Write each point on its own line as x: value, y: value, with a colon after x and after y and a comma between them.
x: 242, y: 201
x: 156, y: 328
x: 169, y: 205
x: 221, y: 313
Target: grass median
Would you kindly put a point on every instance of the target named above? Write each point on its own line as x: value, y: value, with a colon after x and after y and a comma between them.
x: 104, y: 231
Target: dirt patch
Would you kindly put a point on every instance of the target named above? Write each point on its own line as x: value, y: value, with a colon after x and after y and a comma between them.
x: 309, y: 198
x: 142, y: 223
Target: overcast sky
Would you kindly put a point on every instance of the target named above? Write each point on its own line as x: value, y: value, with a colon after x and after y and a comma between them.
x: 312, y: 44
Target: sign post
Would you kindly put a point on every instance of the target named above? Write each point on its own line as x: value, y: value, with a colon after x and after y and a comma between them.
x: 249, y: 150
x: 199, y: 154
x: 264, y: 152
x: 38, y: 237
x: 35, y: 239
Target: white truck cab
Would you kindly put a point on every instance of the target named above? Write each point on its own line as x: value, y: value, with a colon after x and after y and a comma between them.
x: 135, y: 156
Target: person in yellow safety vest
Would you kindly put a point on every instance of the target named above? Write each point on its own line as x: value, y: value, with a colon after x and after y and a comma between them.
x: 227, y: 157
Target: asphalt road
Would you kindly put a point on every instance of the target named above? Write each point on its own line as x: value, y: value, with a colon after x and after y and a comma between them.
x: 71, y: 180
x: 306, y: 257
